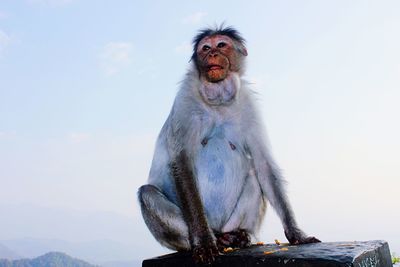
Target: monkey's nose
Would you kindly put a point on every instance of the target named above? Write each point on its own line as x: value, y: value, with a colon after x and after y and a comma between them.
x: 212, y: 54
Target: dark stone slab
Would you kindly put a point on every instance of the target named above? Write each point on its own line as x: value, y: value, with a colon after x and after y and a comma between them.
x: 329, y: 254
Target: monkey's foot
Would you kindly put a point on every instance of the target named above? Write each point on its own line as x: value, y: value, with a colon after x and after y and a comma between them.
x: 235, y: 239
x: 297, y: 237
x: 205, y: 254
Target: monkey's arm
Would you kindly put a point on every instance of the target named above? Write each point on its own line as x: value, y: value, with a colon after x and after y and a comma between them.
x: 273, y: 186
x: 201, y: 236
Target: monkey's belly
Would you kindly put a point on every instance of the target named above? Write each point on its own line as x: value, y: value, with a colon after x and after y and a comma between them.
x: 223, y: 172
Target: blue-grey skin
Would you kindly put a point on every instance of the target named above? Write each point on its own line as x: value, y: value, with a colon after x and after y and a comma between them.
x: 219, y: 128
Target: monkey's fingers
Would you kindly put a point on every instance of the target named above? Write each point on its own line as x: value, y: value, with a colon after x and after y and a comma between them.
x: 311, y: 239
x: 297, y: 237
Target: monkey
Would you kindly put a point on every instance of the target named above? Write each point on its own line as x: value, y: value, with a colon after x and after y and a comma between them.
x: 212, y: 173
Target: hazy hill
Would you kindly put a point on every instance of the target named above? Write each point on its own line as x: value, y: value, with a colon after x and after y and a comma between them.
x: 51, y: 259
x: 97, y: 251
x: 96, y: 237
x: 6, y: 253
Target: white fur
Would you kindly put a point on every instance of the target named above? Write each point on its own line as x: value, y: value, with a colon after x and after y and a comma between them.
x: 231, y: 191
x: 219, y: 128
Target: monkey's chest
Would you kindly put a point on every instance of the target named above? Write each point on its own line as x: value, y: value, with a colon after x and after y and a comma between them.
x: 221, y: 167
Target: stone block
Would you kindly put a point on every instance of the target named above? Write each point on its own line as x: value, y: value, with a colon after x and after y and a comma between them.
x: 327, y: 254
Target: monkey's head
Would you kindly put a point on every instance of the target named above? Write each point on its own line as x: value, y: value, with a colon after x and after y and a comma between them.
x: 217, y: 52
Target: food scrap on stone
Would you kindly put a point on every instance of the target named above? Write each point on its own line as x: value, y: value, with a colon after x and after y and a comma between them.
x: 228, y: 249
x: 275, y: 250
x: 260, y: 243
x: 277, y: 242
x: 269, y: 252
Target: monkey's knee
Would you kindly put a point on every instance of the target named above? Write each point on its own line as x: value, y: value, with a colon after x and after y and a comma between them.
x: 163, y: 218
x: 147, y: 194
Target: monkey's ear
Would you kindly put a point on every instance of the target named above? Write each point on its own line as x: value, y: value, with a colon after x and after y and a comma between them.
x: 242, y: 49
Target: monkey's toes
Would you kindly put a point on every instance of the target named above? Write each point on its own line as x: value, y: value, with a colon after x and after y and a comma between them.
x: 235, y: 239
x: 244, y: 239
x: 205, y: 254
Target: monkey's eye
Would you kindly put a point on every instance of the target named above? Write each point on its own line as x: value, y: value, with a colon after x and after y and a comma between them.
x: 205, y: 48
x: 221, y: 44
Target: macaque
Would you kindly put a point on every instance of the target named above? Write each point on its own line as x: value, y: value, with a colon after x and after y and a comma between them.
x: 212, y: 174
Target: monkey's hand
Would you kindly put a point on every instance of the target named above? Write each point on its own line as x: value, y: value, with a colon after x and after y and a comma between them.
x: 205, y: 252
x: 297, y: 237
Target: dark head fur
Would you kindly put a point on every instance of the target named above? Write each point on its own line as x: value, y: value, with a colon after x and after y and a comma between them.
x: 221, y: 30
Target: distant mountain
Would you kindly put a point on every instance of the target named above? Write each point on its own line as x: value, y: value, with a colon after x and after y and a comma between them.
x: 97, y: 237
x: 6, y: 253
x: 96, y: 251
x: 51, y: 259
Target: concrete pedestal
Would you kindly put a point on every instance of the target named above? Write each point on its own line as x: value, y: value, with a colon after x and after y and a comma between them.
x: 329, y: 254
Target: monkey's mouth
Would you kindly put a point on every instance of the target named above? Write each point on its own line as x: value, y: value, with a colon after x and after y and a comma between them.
x: 215, y: 67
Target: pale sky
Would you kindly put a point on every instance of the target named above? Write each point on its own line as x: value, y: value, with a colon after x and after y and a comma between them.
x: 85, y: 87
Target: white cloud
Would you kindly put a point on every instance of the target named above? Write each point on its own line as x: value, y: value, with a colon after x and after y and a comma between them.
x: 115, y: 56
x: 194, y: 18
x: 5, y: 41
x: 78, y: 137
x: 184, y: 48
x: 53, y: 3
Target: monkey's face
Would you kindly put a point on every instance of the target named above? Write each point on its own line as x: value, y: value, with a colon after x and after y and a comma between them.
x: 216, y: 57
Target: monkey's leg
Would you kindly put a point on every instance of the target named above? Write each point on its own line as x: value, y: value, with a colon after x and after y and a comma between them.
x: 201, y: 236
x: 163, y: 218
x: 245, y: 218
